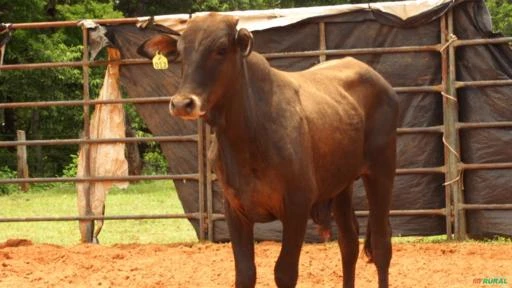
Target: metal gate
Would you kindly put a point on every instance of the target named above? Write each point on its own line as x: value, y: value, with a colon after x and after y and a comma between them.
x: 453, y: 167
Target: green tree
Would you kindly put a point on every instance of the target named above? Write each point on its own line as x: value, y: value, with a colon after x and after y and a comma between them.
x: 132, y: 8
x: 501, y: 13
x: 50, y: 45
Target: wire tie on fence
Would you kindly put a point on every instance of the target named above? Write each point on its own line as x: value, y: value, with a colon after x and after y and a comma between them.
x: 450, y: 148
x: 456, y: 179
x: 452, y: 38
x: 453, y: 180
x: 5, y: 28
x: 449, y: 96
x: 87, y: 23
x: 459, y: 177
x: 145, y: 22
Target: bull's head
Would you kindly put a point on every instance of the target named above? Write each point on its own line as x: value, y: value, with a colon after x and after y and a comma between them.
x: 211, y: 49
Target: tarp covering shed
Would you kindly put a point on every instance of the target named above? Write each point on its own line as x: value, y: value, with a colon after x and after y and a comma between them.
x: 420, y: 78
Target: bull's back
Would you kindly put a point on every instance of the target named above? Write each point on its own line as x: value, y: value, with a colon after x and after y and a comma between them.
x: 372, y: 94
x: 361, y: 82
x: 339, y: 99
x: 375, y: 97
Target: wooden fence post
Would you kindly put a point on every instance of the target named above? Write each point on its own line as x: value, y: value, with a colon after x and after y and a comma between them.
x: 453, y: 175
x: 22, y: 160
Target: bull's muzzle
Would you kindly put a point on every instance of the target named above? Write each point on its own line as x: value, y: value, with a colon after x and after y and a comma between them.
x: 186, y: 106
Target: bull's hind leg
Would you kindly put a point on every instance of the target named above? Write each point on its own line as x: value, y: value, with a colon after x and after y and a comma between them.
x: 378, y: 183
x: 348, y: 230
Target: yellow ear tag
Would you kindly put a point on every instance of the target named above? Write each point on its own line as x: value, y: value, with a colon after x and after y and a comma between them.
x: 160, y: 62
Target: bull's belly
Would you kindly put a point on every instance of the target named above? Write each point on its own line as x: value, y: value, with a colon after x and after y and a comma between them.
x: 259, y: 192
x: 256, y: 198
x: 259, y: 214
x: 332, y: 182
x: 254, y: 207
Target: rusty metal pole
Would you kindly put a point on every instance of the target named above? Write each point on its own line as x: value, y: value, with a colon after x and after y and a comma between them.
x: 453, y: 174
x: 201, y: 180
x: 86, y: 133
x: 323, y: 45
x: 21, y: 155
x: 444, y: 76
x: 209, y: 183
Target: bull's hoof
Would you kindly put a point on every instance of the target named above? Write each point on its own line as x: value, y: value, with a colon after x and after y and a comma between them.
x: 95, y: 240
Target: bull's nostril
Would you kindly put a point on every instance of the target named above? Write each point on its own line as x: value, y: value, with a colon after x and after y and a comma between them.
x: 189, y: 105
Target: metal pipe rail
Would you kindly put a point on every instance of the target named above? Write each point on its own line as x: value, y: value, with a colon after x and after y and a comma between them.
x: 160, y: 99
x: 423, y: 170
x: 152, y: 100
x: 414, y: 130
x: 110, y: 217
x: 486, y: 206
x: 193, y: 176
x: 52, y: 142
x: 35, y: 104
x: 354, y: 51
x: 184, y: 138
x: 73, y: 64
x: 184, y: 177
x: 472, y: 42
x: 484, y: 125
x: 414, y: 212
x: 399, y: 171
x: 485, y: 166
x: 483, y: 83
x: 133, y: 20
x: 75, y: 23
x: 216, y: 216
x: 365, y: 213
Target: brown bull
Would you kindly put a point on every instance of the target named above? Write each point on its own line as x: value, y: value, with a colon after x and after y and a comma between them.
x: 289, y: 144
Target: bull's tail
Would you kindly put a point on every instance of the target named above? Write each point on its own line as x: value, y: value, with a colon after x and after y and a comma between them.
x: 368, y: 244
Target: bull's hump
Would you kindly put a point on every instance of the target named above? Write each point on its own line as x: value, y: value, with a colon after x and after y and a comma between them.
x: 204, y: 29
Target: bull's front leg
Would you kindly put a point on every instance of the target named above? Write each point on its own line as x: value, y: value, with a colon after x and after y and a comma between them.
x: 296, y: 214
x: 242, y: 243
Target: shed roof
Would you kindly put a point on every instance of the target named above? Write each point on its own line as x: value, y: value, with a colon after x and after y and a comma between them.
x: 255, y: 20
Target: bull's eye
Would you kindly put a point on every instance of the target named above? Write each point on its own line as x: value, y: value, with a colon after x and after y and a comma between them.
x: 221, y: 52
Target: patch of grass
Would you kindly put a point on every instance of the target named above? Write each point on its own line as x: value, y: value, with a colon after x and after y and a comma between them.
x: 442, y: 239
x: 155, y: 197
x: 419, y: 239
x: 147, y: 197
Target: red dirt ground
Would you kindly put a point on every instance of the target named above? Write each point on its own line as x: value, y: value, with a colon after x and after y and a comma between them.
x: 23, y: 264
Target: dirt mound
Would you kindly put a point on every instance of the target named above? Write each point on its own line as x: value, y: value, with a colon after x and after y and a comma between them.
x: 16, y: 243
x: 211, y: 265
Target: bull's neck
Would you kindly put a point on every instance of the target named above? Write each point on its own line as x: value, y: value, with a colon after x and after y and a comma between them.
x: 245, y: 105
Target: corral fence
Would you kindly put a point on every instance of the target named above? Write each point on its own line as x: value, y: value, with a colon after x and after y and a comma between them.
x: 452, y: 168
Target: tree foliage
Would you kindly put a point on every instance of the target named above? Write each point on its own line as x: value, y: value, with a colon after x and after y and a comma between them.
x: 36, y: 46
x: 132, y: 8
x: 501, y: 13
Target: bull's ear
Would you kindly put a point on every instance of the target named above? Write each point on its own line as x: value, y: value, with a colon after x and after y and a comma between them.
x: 244, y: 39
x: 164, y: 44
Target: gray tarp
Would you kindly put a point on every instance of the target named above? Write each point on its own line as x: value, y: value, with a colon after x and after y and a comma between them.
x: 364, y: 29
